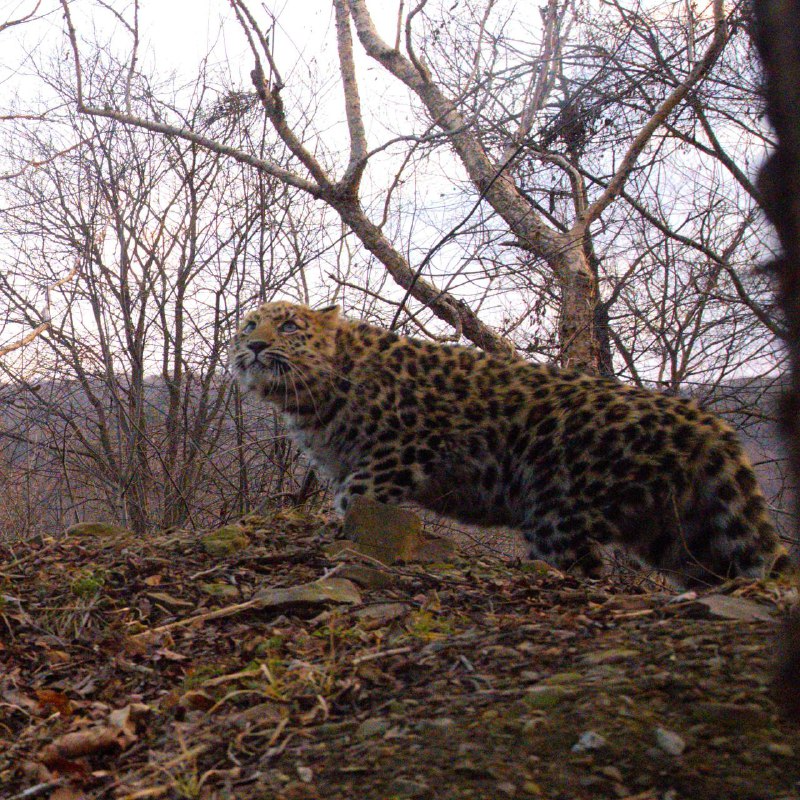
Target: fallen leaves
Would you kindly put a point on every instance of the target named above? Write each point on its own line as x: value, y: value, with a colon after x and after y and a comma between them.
x: 475, y: 680
x: 68, y: 754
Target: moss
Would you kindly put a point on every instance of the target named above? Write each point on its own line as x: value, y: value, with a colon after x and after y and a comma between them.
x: 225, y: 541
x: 88, y: 583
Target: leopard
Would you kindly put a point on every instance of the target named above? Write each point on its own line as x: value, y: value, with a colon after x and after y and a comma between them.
x: 574, y: 461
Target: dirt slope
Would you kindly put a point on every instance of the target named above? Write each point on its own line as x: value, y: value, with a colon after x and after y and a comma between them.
x: 134, y: 668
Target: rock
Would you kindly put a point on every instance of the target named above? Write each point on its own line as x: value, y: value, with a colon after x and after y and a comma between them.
x: 723, y: 606
x: 670, y: 742
x: 383, y: 532
x: 170, y: 602
x: 225, y: 541
x: 587, y: 741
x: 612, y: 773
x: 610, y: 656
x: 305, y: 774
x: 99, y: 529
x: 366, y: 577
x: 382, y: 613
x: 321, y: 592
x: 543, y: 697
x: 507, y: 788
x: 436, y: 724
x: 780, y: 749
x: 375, y: 726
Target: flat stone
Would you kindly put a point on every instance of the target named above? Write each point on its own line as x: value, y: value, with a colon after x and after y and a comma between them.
x: 366, y: 577
x: 375, y: 726
x: 610, y: 656
x: 723, y: 606
x: 382, y: 613
x: 544, y: 697
x: 321, y: 592
x: 169, y: 601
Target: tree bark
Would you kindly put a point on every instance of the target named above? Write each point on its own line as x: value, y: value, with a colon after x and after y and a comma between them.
x: 778, y: 40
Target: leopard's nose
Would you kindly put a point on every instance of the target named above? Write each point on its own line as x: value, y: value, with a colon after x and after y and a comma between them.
x: 257, y: 347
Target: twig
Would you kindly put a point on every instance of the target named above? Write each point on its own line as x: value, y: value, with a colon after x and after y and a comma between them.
x: 35, y: 791
x: 396, y: 651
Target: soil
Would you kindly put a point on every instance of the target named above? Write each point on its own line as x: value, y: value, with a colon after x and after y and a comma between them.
x: 136, y: 667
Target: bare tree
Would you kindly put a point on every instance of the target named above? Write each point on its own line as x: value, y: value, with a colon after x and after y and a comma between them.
x: 563, y: 247
x: 122, y: 404
x: 578, y: 188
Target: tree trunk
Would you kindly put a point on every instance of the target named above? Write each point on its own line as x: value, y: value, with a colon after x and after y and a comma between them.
x: 576, y: 329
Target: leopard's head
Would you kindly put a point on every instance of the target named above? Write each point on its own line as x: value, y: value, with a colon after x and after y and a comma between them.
x: 284, y: 351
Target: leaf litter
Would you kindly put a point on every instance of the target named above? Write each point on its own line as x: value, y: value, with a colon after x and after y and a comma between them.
x: 147, y: 667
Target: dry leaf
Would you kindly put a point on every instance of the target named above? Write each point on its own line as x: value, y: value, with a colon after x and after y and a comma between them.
x: 51, y: 701
x: 118, y: 734
x: 82, y: 743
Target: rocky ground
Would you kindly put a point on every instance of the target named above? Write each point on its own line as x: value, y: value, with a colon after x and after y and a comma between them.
x: 267, y: 661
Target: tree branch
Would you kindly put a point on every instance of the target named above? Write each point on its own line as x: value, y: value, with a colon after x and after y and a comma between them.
x: 617, y: 182
x: 355, y: 123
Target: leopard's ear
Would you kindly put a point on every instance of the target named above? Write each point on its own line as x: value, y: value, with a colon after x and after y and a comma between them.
x: 329, y: 314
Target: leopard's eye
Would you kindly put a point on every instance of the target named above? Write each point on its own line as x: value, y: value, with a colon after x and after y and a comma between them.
x: 288, y: 327
x: 249, y: 328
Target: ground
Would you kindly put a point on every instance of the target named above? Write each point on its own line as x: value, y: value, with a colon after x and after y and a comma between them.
x: 180, y: 666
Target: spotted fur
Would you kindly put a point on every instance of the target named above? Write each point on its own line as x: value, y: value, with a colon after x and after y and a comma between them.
x: 572, y: 461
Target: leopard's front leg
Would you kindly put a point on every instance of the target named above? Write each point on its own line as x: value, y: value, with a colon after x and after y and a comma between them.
x: 375, y: 480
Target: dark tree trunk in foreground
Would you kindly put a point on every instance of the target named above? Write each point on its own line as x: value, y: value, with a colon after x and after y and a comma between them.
x: 778, y: 40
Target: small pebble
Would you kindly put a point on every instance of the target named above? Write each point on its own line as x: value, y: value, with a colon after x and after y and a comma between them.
x: 612, y: 773
x: 305, y: 774
x: 376, y: 726
x: 588, y: 740
x: 670, y: 742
